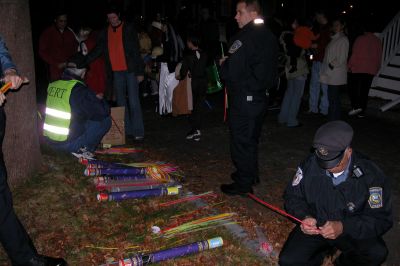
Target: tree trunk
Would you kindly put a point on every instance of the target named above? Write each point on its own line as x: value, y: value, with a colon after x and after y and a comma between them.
x: 21, y: 143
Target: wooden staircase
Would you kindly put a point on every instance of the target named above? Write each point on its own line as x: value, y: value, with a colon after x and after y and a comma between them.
x: 386, y: 84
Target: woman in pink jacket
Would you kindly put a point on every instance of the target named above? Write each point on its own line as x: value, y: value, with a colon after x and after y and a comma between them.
x: 363, y: 65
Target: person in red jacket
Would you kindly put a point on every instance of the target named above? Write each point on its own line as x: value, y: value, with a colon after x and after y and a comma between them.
x: 364, y: 64
x: 96, y: 77
x: 57, y: 43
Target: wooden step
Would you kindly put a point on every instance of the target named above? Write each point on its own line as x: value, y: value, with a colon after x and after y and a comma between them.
x: 391, y: 71
x: 384, y: 93
x: 393, y: 65
x: 395, y: 60
x: 391, y: 77
x: 391, y: 84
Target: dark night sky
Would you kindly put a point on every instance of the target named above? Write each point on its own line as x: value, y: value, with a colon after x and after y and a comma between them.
x: 92, y: 11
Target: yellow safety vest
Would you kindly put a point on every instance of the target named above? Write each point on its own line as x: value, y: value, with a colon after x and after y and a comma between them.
x: 58, y: 110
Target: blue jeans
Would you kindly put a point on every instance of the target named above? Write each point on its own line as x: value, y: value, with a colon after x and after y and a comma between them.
x: 315, y: 88
x: 291, y: 101
x: 126, y: 83
x: 91, y: 137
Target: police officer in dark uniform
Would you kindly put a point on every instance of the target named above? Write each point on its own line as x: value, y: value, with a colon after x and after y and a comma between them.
x: 13, y: 236
x: 249, y: 71
x: 343, y: 200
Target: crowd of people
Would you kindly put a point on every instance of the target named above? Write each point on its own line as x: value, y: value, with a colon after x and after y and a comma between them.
x: 341, y: 197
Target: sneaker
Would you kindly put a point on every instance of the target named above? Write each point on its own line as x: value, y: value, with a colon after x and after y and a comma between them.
x: 355, y: 111
x: 83, y: 153
x: 194, y: 134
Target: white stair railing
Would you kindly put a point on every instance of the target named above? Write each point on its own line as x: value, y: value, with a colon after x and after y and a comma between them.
x: 390, y: 37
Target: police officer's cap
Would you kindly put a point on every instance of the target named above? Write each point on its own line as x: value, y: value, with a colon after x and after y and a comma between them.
x: 330, y: 143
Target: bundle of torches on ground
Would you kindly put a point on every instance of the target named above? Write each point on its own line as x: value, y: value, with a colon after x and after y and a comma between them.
x: 119, y: 181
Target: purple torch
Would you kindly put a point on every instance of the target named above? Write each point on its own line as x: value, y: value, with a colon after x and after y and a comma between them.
x: 119, y: 196
x: 171, y: 253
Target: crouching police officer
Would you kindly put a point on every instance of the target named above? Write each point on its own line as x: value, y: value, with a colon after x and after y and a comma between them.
x: 343, y: 200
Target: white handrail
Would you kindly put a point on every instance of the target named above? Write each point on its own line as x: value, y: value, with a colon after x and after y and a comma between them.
x: 390, y: 37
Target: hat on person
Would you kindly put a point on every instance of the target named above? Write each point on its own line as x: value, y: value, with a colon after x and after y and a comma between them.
x: 77, y: 60
x: 330, y: 143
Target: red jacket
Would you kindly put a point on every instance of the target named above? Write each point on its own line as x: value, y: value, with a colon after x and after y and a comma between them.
x: 322, y: 41
x: 96, y: 76
x: 366, y: 54
x: 55, y: 48
x: 303, y: 37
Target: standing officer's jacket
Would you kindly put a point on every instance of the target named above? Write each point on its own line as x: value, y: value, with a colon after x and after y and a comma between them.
x: 362, y: 202
x: 252, y: 64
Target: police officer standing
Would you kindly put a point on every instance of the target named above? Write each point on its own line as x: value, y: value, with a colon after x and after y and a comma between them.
x: 249, y: 71
x: 343, y: 200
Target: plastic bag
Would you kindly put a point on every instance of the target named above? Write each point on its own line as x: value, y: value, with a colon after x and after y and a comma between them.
x: 214, y: 82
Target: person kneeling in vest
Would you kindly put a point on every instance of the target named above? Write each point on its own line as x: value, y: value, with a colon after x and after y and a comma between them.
x: 75, y: 119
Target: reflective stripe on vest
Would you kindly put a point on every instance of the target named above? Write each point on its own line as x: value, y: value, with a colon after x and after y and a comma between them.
x: 58, y: 110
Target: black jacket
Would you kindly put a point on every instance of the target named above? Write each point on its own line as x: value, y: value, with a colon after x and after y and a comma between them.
x: 252, y: 64
x: 196, y: 66
x: 362, y: 202
x: 131, y: 48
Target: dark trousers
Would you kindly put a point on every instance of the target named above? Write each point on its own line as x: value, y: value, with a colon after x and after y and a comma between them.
x: 335, y: 106
x: 13, y: 235
x: 245, y: 124
x: 360, y: 83
x: 199, y: 89
x: 305, y: 250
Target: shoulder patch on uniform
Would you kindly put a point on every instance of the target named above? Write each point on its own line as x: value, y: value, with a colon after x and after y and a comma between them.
x: 235, y: 46
x: 297, y: 177
x: 375, y: 197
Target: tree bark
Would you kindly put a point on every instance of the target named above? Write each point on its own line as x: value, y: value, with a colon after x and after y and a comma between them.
x: 21, y: 143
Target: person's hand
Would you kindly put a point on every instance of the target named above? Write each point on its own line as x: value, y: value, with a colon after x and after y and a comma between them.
x: 331, y: 229
x: 140, y: 78
x: 309, y: 226
x: 2, y: 98
x: 100, y: 96
x: 10, y: 75
x: 222, y: 60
